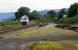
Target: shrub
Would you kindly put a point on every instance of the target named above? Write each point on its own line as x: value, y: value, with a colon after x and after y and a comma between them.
x: 9, y: 22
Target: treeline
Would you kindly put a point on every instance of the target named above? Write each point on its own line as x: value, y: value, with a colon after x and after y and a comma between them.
x: 65, y: 16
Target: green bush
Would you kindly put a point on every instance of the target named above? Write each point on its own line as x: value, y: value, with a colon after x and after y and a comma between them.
x: 67, y: 20
x: 9, y: 22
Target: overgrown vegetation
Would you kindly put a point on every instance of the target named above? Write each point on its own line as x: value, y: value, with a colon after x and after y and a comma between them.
x: 52, y: 45
x: 70, y: 16
x: 67, y: 20
x: 9, y: 22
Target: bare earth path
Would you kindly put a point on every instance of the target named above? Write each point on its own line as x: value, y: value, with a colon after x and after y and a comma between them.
x: 15, y: 44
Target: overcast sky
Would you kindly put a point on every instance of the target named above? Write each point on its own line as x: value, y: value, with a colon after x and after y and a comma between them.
x: 13, y: 5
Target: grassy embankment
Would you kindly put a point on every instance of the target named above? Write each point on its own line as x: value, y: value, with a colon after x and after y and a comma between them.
x: 13, y: 22
x: 51, y: 45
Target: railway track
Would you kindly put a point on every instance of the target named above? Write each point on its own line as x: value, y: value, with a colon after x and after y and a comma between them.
x: 6, y: 29
x: 9, y: 29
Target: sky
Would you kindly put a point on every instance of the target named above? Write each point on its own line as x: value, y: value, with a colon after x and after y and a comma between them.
x: 13, y: 5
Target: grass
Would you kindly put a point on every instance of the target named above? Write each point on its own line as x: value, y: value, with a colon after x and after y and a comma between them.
x: 9, y: 22
x: 29, y: 31
x: 49, y: 29
x: 52, y: 45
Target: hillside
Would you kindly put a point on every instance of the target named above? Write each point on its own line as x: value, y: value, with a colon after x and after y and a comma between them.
x: 7, y: 15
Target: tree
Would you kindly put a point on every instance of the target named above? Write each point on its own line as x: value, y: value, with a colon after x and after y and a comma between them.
x: 51, y: 13
x: 73, y: 10
x: 22, y: 11
x: 35, y: 15
x: 51, y: 16
x: 61, y: 13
